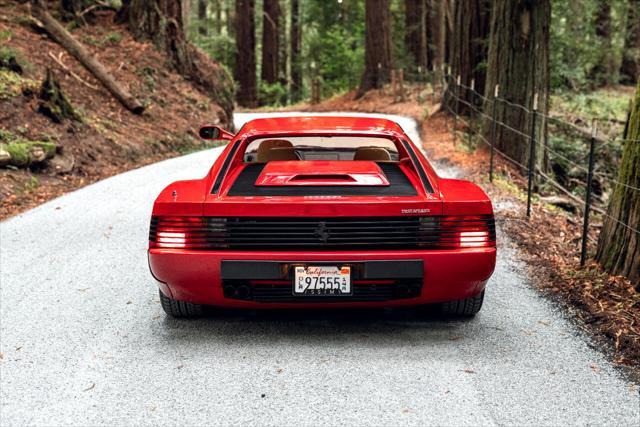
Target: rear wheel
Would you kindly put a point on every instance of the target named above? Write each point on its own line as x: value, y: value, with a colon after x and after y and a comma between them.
x: 467, y: 307
x: 179, y: 309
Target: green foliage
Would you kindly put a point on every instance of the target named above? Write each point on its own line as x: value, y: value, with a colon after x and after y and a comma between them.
x: 5, y: 35
x: 338, y: 63
x: 13, y: 84
x: 272, y: 94
x: 575, y: 49
x: 113, y: 37
x: 333, y: 44
x: 11, y: 59
x: 602, y: 103
x: 23, y: 151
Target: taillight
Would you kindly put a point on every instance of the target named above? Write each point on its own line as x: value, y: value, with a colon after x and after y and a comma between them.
x: 452, y: 232
x: 182, y: 232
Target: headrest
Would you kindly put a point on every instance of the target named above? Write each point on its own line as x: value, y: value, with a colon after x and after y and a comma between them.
x: 376, y: 154
x: 280, y: 153
x: 265, y: 147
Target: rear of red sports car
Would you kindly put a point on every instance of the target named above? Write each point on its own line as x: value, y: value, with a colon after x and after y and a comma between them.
x: 321, y: 212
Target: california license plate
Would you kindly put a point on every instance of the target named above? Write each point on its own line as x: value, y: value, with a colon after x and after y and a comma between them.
x: 322, y: 280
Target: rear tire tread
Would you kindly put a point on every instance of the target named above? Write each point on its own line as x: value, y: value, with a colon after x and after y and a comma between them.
x: 467, y: 307
x: 179, y: 309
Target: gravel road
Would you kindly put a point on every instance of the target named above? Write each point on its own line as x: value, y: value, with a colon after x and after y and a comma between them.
x: 84, y: 340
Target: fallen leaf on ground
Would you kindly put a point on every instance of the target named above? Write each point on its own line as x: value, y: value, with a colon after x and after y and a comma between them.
x: 468, y: 371
x: 90, y: 387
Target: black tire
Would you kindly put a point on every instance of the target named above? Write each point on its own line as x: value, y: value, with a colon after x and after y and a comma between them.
x: 179, y: 309
x: 468, y: 307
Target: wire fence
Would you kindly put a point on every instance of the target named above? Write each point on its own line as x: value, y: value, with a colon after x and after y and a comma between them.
x: 477, y: 113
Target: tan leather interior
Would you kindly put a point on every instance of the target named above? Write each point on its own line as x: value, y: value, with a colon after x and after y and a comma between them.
x: 275, y: 149
x: 283, y: 153
x: 376, y: 154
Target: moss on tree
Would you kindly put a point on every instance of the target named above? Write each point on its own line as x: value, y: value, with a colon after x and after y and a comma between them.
x: 21, y: 152
x: 619, y: 242
x: 54, y: 102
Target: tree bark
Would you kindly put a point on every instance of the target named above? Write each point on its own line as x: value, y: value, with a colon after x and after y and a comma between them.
x: 619, y: 241
x: 415, y: 37
x: 71, y: 9
x: 202, y: 17
x: 245, y: 61
x: 54, y: 103
x: 218, y: 14
x: 161, y: 21
x: 270, y: 41
x: 604, y: 70
x: 296, y: 72
x: 630, y: 67
x: 437, y: 33
x: 469, y: 49
x: 378, y: 48
x: 66, y: 40
x: 518, y: 61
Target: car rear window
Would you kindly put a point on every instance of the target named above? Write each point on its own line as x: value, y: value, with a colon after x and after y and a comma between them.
x: 321, y: 148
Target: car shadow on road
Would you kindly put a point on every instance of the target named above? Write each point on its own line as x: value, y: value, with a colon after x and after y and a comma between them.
x: 309, y: 326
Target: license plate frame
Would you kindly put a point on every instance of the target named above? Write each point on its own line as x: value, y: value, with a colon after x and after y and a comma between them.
x: 311, y: 281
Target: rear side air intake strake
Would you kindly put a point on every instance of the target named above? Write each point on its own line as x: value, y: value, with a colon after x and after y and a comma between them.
x: 352, y: 233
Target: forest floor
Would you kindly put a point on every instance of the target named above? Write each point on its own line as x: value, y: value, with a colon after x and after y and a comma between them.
x: 607, y: 306
x: 108, y: 139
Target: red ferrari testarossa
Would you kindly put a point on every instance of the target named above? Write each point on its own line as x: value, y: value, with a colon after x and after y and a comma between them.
x: 310, y: 212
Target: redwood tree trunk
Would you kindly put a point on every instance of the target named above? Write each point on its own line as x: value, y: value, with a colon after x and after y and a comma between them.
x: 296, y: 72
x: 416, y: 31
x: 469, y: 49
x: 518, y: 61
x: 270, y: 41
x: 378, y: 52
x: 630, y: 68
x: 604, y: 70
x: 245, y: 62
x: 619, y: 242
x: 161, y: 21
x: 218, y: 15
x: 202, y: 17
x: 437, y: 33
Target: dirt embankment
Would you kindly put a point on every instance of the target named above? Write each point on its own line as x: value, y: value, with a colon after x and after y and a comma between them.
x: 106, y: 139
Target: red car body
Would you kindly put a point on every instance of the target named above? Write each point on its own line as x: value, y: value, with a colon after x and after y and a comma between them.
x: 215, y: 243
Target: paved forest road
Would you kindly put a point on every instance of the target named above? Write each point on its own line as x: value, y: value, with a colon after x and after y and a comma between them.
x: 84, y: 340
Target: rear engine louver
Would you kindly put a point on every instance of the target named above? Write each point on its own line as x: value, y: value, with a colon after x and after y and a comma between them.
x: 354, y: 233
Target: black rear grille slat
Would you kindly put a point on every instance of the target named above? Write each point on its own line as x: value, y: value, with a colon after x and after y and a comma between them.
x: 340, y: 233
x: 361, y: 293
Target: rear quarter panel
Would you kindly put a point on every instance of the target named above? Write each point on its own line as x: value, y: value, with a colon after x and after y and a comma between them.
x: 461, y: 197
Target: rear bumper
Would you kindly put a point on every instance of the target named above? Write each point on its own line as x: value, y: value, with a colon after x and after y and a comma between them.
x: 203, y: 277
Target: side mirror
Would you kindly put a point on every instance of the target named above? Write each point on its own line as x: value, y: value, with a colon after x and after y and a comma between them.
x: 214, y: 132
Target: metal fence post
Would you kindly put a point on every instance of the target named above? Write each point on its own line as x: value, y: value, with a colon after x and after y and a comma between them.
x: 587, y: 204
x: 455, y: 109
x: 532, y: 152
x: 493, y: 131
